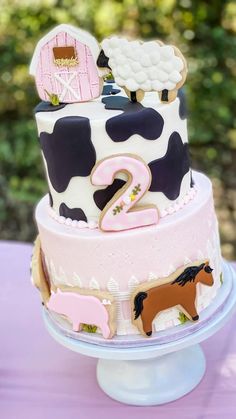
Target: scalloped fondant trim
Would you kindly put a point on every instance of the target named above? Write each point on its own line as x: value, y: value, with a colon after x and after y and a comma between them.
x: 94, y: 224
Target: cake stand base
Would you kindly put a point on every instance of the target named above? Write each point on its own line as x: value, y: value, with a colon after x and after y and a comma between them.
x: 159, y: 373
x: 152, y: 381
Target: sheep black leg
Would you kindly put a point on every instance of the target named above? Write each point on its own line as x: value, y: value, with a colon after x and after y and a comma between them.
x: 164, y: 95
x: 133, y: 97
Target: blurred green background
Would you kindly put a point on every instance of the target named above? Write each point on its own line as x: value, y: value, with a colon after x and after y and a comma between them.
x: 205, y: 33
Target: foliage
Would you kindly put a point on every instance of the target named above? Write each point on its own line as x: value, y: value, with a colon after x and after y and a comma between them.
x: 89, y: 328
x: 182, y: 318
x: 221, y: 279
x: 203, y: 30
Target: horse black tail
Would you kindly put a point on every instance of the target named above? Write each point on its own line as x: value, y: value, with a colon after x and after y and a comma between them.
x: 138, y: 303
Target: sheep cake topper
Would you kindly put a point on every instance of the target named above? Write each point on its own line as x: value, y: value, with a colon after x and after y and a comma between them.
x: 64, y: 66
x: 141, y: 67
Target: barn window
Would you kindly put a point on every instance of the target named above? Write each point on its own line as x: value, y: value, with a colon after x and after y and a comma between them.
x: 65, y: 56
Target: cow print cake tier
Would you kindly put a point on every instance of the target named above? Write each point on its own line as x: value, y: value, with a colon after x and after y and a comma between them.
x: 73, y: 139
x: 128, y: 238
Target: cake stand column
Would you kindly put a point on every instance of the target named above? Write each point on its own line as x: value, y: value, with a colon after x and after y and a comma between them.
x: 152, y: 381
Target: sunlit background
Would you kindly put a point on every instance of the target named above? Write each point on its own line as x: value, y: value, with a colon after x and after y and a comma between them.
x: 205, y: 33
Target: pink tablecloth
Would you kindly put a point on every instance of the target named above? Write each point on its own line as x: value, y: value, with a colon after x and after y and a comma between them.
x: 39, y: 379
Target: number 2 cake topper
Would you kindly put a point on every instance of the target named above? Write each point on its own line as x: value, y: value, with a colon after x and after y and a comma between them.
x: 141, y: 67
x: 119, y: 213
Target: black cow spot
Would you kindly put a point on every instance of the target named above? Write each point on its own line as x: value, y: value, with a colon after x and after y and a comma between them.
x: 73, y: 213
x: 169, y: 170
x: 68, y: 151
x: 183, y: 113
x: 109, y: 90
x: 135, y: 119
x: 103, y: 196
x: 50, y: 199
x: 117, y: 103
x: 48, y: 107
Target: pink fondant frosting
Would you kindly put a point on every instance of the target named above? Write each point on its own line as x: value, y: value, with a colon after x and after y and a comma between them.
x: 119, y: 261
x: 121, y: 255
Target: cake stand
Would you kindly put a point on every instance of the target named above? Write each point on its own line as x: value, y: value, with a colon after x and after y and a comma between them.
x: 158, y: 372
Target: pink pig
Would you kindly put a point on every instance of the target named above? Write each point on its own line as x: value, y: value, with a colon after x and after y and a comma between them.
x: 80, y: 309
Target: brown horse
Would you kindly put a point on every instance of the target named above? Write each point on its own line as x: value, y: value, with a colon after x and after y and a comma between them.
x: 180, y: 292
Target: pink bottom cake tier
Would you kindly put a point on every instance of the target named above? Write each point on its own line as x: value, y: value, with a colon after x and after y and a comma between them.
x: 118, y: 263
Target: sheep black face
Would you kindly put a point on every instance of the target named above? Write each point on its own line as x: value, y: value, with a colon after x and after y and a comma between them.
x: 102, y: 60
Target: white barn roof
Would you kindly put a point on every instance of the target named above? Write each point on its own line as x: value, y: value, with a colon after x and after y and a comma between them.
x: 79, y: 34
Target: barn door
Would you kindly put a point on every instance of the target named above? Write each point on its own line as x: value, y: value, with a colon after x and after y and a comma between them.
x: 67, y: 86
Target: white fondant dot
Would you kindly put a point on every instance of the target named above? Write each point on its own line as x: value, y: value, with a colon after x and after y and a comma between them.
x: 146, y: 86
x: 168, y: 67
x: 92, y: 225
x: 132, y: 85
x: 175, y: 77
x: 61, y: 219
x: 155, y: 57
x: 140, y: 77
x: 152, y: 73
x: 145, y: 60
x: 161, y: 75
x: 82, y: 224
x: 149, y: 46
x: 136, y: 66
x: 167, y: 52
x: 169, y: 85
x: 157, y: 85
x: 179, y: 65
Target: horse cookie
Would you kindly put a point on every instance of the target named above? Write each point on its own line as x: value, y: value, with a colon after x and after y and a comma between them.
x: 179, y: 289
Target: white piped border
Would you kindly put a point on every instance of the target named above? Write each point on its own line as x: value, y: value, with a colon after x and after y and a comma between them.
x: 94, y: 224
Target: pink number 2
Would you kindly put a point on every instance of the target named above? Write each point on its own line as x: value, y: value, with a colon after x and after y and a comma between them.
x: 117, y: 214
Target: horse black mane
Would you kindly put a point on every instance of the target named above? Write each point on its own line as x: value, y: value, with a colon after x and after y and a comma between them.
x: 138, y: 303
x: 188, y: 275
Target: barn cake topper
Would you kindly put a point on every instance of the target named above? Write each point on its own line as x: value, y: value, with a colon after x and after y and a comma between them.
x: 64, y: 66
x: 141, y: 67
x: 69, y: 65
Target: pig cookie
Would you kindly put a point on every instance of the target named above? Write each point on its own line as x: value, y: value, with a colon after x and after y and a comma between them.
x: 40, y: 277
x: 83, y: 306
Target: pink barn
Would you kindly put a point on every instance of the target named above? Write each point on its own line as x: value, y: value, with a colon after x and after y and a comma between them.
x: 64, y: 63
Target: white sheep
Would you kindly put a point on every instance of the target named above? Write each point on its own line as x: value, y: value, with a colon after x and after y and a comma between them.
x: 141, y: 67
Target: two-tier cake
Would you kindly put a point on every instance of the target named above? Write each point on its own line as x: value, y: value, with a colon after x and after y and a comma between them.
x: 128, y: 237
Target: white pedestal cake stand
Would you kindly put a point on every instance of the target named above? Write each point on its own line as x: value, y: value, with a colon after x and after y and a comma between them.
x: 160, y: 372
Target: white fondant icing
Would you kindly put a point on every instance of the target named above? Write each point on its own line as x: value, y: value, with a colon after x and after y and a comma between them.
x: 146, y: 66
x: 79, y: 192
